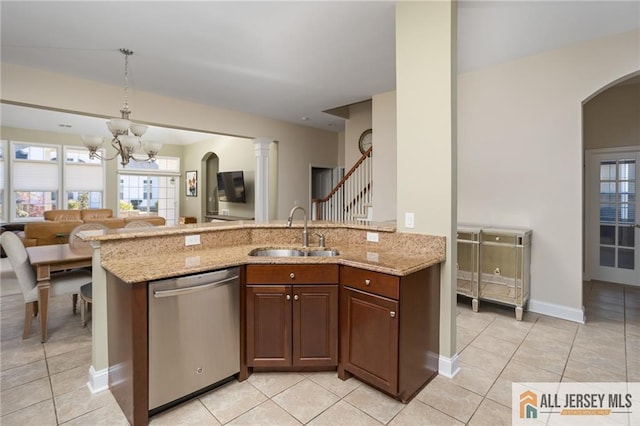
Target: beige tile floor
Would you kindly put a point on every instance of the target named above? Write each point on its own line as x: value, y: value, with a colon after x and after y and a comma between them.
x: 45, y: 384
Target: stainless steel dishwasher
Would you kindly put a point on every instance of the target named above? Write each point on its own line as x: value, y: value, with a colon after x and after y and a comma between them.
x: 194, y: 335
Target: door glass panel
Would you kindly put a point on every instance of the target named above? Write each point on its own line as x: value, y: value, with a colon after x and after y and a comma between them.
x: 607, y: 213
x: 608, y: 192
x: 607, y: 170
x: 617, y: 213
x: 607, y: 234
x: 607, y: 256
x: 625, y: 258
x: 626, y: 236
x: 627, y: 169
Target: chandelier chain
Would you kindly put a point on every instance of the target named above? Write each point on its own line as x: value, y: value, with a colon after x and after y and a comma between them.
x: 125, y: 107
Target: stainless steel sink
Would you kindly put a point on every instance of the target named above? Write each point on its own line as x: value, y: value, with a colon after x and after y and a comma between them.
x: 277, y: 252
x: 322, y: 253
x: 285, y: 252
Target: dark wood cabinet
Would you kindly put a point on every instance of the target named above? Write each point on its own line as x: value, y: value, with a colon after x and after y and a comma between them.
x: 389, y: 329
x: 291, y: 316
x: 370, y: 338
x: 269, y: 325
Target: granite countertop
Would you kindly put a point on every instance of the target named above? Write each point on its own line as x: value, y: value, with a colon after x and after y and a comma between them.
x: 156, y: 253
x: 124, y: 233
x: 183, y: 263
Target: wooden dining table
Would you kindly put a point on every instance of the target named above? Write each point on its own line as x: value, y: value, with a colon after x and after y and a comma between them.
x: 52, y: 258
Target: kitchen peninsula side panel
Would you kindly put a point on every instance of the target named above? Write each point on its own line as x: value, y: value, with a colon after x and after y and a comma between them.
x: 128, y: 348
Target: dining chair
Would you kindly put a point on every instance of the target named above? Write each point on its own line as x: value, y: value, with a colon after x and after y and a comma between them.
x: 63, y: 283
x: 77, y: 243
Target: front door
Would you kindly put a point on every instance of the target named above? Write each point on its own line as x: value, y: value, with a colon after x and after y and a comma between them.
x: 612, y: 218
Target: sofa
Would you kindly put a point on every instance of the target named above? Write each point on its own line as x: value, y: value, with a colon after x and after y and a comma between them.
x: 58, y: 224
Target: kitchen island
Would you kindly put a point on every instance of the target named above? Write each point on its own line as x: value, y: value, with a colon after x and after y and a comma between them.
x: 405, y: 270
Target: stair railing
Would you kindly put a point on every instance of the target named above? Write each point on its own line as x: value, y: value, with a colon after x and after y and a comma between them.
x: 351, y: 197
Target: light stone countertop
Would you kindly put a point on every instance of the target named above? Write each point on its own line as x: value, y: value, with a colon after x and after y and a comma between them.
x: 160, y: 253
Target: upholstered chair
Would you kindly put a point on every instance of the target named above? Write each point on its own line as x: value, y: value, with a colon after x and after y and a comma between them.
x: 62, y: 283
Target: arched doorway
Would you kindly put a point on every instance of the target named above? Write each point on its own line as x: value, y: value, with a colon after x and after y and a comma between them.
x: 611, y: 143
x: 210, y: 166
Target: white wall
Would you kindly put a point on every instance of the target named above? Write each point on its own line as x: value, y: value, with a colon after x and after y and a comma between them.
x: 359, y: 121
x: 385, y: 144
x: 520, y: 154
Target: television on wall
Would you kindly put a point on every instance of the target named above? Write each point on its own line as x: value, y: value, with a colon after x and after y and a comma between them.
x: 231, y: 187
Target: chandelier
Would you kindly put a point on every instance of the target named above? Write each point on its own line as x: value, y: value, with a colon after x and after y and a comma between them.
x: 126, y: 134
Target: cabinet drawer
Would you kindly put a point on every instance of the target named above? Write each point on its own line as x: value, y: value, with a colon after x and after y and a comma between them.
x: 467, y: 236
x: 293, y: 274
x: 372, y: 282
x: 500, y: 238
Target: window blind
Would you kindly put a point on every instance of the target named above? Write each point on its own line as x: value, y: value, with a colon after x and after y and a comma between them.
x: 83, y: 177
x: 31, y: 176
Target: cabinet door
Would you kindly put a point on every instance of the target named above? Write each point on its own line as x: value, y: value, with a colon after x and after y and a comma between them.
x: 268, y: 325
x: 315, y: 325
x: 369, y: 338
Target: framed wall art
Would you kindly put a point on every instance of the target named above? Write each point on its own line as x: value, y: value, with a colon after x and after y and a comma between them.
x: 192, y: 183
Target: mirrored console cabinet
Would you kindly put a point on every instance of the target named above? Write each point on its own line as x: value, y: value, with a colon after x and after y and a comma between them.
x: 494, y: 264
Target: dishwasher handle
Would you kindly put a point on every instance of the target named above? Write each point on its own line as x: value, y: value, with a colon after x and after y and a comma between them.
x: 188, y: 290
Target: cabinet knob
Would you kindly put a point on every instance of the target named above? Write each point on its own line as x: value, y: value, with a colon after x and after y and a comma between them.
x: 392, y: 314
x: 292, y: 275
x: 367, y: 282
x: 497, y: 238
x: 288, y: 297
x: 295, y: 297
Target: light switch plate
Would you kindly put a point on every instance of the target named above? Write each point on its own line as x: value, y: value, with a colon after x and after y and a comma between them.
x: 192, y: 240
x: 408, y: 220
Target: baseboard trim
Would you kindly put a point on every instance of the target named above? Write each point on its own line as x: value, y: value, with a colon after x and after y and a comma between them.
x: 448, y: 367
x: 98, y: 380
x: 558, y: 311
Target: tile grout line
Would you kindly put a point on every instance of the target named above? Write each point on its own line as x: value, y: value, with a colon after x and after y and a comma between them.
x: 53, y: 400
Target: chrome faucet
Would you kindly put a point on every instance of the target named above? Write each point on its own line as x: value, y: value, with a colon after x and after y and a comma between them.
x: 305, y: 235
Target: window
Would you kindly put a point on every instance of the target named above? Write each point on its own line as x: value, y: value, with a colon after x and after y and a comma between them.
x: 150, y: 188
x: 84, y: 180
x: 35, y: 178
x: 48, y: 177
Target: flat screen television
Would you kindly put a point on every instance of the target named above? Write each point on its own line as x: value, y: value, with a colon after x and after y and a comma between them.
x: 231, y: 187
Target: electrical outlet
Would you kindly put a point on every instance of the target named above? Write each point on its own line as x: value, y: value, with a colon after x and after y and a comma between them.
x: 192, y: 240
x: 372, y: 236
x: 408, y: 220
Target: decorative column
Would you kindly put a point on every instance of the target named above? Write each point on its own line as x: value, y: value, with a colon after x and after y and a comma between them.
x: 426, y: 128
x: 261, y: 188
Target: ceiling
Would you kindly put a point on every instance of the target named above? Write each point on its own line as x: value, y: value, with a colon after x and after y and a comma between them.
x: 279, y: 59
